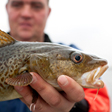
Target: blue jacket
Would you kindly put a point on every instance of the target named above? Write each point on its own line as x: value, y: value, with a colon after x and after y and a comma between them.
x: 13, y: 106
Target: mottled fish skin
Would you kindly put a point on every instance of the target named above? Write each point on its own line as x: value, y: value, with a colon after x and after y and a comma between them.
x: 49, y: 60
x: 16, y: 57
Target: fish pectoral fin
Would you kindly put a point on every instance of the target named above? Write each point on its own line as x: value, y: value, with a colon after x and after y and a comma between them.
x: 20, y: 80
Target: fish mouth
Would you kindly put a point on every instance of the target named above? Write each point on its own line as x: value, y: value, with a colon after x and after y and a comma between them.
x: 91, y: 79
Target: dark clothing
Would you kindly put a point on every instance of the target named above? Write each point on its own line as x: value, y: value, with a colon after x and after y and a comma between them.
x: 17, y: 105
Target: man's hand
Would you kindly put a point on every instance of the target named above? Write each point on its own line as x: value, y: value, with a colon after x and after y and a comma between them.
x: 49, y: 99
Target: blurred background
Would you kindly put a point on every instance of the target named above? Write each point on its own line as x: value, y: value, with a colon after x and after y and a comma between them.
x: 85, y: 23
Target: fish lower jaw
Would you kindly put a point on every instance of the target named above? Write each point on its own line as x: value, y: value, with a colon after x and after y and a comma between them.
x: 98, y: 84
x: 91, y: 79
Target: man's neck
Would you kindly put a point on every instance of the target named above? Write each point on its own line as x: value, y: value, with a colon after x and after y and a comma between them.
x: 45, y: 38
x: 30, y: 39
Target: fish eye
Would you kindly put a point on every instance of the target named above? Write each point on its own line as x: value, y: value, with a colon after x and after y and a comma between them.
x: 77, y: 57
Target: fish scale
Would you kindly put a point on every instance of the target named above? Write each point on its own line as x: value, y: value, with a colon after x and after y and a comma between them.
x: 49, y: 60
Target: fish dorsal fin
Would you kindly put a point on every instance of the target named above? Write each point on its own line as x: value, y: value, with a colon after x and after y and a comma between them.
x: 6, y: 39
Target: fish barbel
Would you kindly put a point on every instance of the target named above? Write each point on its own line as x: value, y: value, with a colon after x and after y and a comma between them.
x: 49, y: 60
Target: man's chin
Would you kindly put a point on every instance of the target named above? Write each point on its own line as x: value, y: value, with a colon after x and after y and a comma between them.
x: 26, y: 39
x: 25, y: 36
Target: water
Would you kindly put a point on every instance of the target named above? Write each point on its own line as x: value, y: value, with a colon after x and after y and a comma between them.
x: 107, y: 78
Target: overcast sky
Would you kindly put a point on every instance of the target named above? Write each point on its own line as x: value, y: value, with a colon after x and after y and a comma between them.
x: 86, y: 23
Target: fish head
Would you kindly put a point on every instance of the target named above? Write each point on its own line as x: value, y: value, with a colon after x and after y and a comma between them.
x: 84, y: 68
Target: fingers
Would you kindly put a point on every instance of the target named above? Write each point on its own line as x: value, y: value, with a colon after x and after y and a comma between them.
x: 49, y: 94
x: 26, y: 93
x: 74, y: 92
x: 50, y: 99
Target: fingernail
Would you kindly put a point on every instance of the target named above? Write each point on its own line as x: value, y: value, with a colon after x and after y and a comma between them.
x: 34, y: 78
x: 62, y: 80
x: 18, y: 88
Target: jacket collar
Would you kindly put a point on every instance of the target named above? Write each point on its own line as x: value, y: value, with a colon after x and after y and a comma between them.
x: 46, y: 37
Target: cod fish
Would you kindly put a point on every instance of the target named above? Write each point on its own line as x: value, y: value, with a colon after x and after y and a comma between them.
x: 49, y: 60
